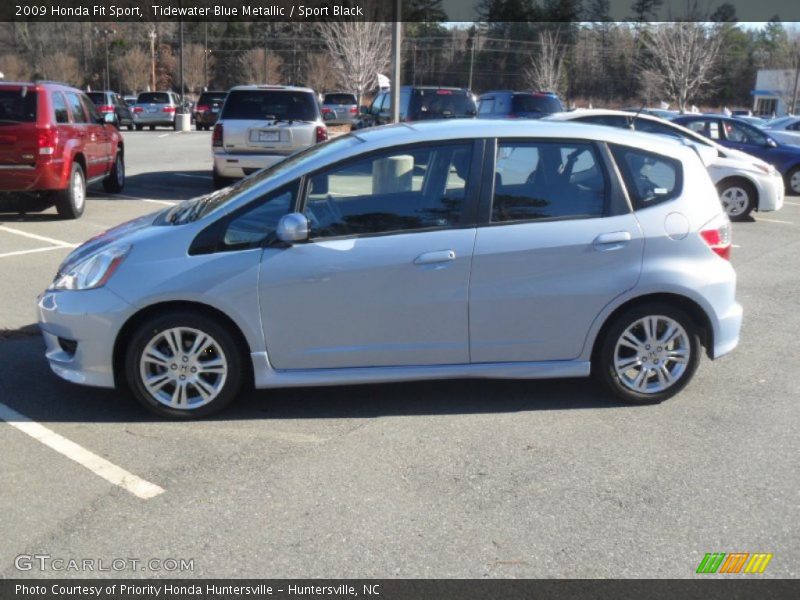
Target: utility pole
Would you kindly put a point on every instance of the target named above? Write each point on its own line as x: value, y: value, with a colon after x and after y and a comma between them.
x: 396, y: 60
x: 205, y: 56
x: 266, y: 74
x: 153, y: 59
x: 796, y: 78
x: 181, y: 58
x: 471, y: 41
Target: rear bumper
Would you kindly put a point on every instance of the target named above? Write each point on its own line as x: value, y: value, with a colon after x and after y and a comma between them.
x: 240, y: 165
x: 146, y: 119
x: 206, y: 118
x: 33, y: 178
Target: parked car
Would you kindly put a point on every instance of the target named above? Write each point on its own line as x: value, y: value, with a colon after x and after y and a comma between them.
x: 155, y: 109
x: 504, y: 104
x: 755, y: 121
x: 130, y: 101
x: 260, y: 125
x: 419, y: 103
x: 53, y: 143
x: 785, y: 129
x: 386, y: 256
x: 653, y: 112
x: 733, y: 133
x: 745, y: 183
x: 111, y: 103
x: 339, y: 108
x: 207, y: 109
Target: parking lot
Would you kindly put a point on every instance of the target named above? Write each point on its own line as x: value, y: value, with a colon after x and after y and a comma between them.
x: 444, y: 479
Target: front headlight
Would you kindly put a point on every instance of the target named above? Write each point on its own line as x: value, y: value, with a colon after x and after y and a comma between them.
x: 92, y: 272
x: 765, y: 168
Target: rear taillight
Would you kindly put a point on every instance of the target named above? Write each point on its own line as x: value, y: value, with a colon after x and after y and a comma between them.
x: 216, y: 137
x: 46, y: 141
x: 201, y: 108
x: 169, y: 109
x: 717, y: 234
x: 322, y: 133
x: 326, y: 111
x: 353, y: 110
x: 106, y: 108
x: 138, y: 109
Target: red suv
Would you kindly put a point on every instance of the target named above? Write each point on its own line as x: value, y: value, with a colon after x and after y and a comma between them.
x: 53, y: 142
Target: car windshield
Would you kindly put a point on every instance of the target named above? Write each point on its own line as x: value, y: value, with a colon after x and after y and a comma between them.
x: 153, y: 98
x: 441, y: 104
x: 535, y: 103
x: 211, y: 99
x: 270, y: 104
x: 339, y: 99
x: 17, y: 106
x: 191, y: 210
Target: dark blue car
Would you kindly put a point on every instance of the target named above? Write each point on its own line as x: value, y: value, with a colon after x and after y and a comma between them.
x: 734, y: 133
x: 505, y: 104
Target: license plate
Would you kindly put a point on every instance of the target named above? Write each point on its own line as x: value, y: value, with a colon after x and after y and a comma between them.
x: 269, y: 136
x: 152, y: 109
x: 215, y: 109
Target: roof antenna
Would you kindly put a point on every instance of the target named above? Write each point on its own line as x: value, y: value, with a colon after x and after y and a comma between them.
x: 636, y: 116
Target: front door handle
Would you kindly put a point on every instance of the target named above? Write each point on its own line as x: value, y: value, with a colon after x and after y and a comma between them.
x: 609, y: 241
x: 440, y: 256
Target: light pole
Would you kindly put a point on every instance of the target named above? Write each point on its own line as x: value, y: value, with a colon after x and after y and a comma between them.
x: 396, y: 60
x: 152, y: 37
x: 105, y: 34
x: 205, y: 55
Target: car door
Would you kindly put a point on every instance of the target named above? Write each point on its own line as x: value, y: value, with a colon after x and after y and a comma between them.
x: 100, y: 135
x: 90, y: 146
x: 383, y: 279
x: 560, y: 243
x: 746, y: 138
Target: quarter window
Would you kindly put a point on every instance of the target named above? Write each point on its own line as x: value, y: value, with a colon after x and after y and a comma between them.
x: 78, y: 114
x: 547, y: 180
x: 60, y: 108
x: 402, y: 190
x: 650, y: 178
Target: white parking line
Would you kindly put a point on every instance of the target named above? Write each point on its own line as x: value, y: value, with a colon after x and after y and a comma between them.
x: 96, y: 464
x: 163, y: 135
x: 41, y: 238
x: 775, y: 221
x: 20, y: 252
x: 166, y: 202
x: 791, y: 203
x: 190, y: 175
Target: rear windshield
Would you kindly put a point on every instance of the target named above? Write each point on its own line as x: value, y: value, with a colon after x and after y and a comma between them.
x: 268, y: 104
x: 97, y: 97
x: 153, y: 98
x: 339, y: 99
x: 533, y: 103
x: 441, y: 104
x: 211, y: 99
x: 16, y: 106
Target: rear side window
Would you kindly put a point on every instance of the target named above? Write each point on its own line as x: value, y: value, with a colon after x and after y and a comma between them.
x: 60, y: 108
x: 153, y: 98
x: 97, y: 97
x: 339, y: 99
x: 440, y: 104
x: 650, y: 178
x: 265, y: 104
x: 485, y: 106
x: 17, y: 106
x: 91, y: 110
x: 547, y: 180
x: 78, y: 115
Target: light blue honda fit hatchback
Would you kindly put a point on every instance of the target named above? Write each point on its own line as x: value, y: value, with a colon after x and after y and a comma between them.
x: 499, y: 249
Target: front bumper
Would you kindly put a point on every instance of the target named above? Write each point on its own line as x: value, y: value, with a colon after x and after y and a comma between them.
x: 92, y: 319
x: 771, y: 192
x: 240, y: 165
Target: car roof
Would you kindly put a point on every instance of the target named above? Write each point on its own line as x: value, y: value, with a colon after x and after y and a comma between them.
x: 270, y: 88
x: 600, y: 112
x: 446, y: 129
x: 36, y: 85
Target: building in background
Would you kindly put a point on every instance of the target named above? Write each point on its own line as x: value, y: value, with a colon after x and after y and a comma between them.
x: 775, y: 94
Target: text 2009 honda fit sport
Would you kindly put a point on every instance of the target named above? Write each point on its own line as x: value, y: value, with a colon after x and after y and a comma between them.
x: 417, y: 251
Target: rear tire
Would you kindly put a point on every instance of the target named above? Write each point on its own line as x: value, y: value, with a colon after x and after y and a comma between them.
x: 130, y: 126
x: 219, y: 181
x: 152, y: 127
x: 139, y: 127
x: 739, y: 197
x: 184, y: 365
x: 793, y: 182
x: 71, y: 201
x: 115, y: 180
x: 648, y: 354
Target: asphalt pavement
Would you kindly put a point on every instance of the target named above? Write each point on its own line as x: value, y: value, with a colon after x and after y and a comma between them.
x: 438, y: 479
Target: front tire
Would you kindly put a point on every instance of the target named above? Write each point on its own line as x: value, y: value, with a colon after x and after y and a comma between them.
x: 793, y: 182
x: 139, y: 127
x: 219, y: 181
x: 71, y: 201
x: 183, y: 365
x: 738, y: 197
x: 649, y: 353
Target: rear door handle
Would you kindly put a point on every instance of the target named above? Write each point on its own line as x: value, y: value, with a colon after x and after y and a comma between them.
x: 440, y: 256
x: 615, y: 239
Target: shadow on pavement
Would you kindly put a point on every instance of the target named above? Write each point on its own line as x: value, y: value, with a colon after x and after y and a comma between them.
x: 28, y: 386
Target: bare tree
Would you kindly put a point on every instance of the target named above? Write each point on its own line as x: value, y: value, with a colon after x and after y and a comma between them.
x: 546, y: 68
x: 359, y: 51
x: 63, y: 67
x: 320, y: 77
x: 194, y: 67
x: 133, y: 70
x: 14, y: 68
x: 682, y: 59
x: 252, y: 66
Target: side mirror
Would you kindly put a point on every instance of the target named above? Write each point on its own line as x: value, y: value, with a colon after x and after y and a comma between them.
x: 108, y: 118
x: 292, y: 228
x: 771, y: 143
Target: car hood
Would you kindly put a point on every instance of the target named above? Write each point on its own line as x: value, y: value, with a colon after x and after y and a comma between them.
x: 121, y: 233
x: 732, y: 153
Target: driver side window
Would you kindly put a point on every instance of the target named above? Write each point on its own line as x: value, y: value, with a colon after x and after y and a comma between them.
x: 251, y: 228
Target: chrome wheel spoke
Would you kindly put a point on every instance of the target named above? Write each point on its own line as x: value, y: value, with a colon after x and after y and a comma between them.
x: 216, y: 365
x: 173, y: 339
x: 205, y: 390
x: 156, y: 357
x: 629, y: 340
x: 199, y: 344
x: 623, y: 364
x: 158, y: 381
x: 179, y: 395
